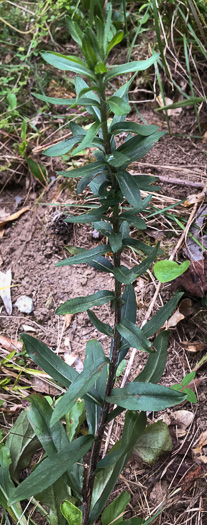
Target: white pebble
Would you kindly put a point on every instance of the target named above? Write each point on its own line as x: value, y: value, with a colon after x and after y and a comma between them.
x: 24, y: 304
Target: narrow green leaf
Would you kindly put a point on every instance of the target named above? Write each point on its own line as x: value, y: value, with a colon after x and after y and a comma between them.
x: 65, y: 146
x: 102, y: 264
x: 128, y: 311
x: 131, y: 67
x: 132, y: 127
x: 51, y: 363
x: 75, y: 418
x: 115, y: 240
x: 118, y: 106
x: 115, y: 509
x: 124, y: 229
x: 145, y: 396
x: 74, y: 30
x: 107, y: 477
x: 81, y: 386
x: 188, y: 378
x: 134, y: 426
x: 69, y: 174
x: 52, y: 440
x: 126, y: 276
x: 129, y: 188
x: 89, y: 101
x: 123, y: 90
x: 57, y: 101
x: 38, y: 170
x: 107, y: 28
x: 77, y: 130
x: 55, y: 466
x: 39, y: 415
x: 67, y: 63
x: 138, y: 146
x: 85, y: 256
x: 144, y: 182
x: 94, y: 351
x: 191, y: 396
x: 159, y: 40
x: 7, y: 487
x: 88, y: 52
x: 87, y: 169
x: 104, y: 328
x: 190, y: 101
x: 134, y: 335
x: 81, y: 86
x: 99, y: 31
x: 86, y: 217
x: 138, y: 245
x: 154, y: 368
x: 89, y: 177
x: 21, y: 449
x: 86, y: 142
x: 133, y: 220
x: 72, y: 514
x: 105, y: 481
x: 52, y: 498
x: 158, y: 320
x: 104, y: 227
x: 81, y: 304
x: 97, y: 182
x: 115, y: 40
x: 117, y: 159
x: 129, y: 307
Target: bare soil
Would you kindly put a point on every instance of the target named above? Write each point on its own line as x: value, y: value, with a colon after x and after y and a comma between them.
x: 31, y: 248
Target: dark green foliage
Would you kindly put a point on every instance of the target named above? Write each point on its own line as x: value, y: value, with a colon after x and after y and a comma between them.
x: 112, y: 185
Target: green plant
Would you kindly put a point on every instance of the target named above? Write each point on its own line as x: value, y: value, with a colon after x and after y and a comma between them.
x: 60, y: 476
x: 183, y: 387
x: 181, y: 41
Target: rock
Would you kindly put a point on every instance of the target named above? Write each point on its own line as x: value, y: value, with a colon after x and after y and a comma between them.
x: 24, y: 304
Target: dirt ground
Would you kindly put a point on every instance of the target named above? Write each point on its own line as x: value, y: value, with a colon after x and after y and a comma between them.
x: 33, y: 244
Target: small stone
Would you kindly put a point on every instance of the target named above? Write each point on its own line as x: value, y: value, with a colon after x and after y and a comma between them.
x: 95, y: 234
x: 24, y: 304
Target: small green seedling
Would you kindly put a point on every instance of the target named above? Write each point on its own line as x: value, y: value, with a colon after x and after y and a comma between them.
x: 183, y: 387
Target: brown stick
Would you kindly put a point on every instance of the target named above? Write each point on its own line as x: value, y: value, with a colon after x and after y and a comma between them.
x: 180, y: 182
x: 174, y: 168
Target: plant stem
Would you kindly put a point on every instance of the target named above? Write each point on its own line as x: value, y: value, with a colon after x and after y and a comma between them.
x: 94, y: 458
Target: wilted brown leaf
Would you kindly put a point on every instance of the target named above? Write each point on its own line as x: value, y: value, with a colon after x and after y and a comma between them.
x: 194, y: 199
x: 68, y: 319
x: 198, y: 455
x: 12, y: 217
x: 204, y: 137
x: 196, y: 346
x: 192, y: 476
x: 174, y: 319
x: 182, y: 418
x: 10, y: 344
